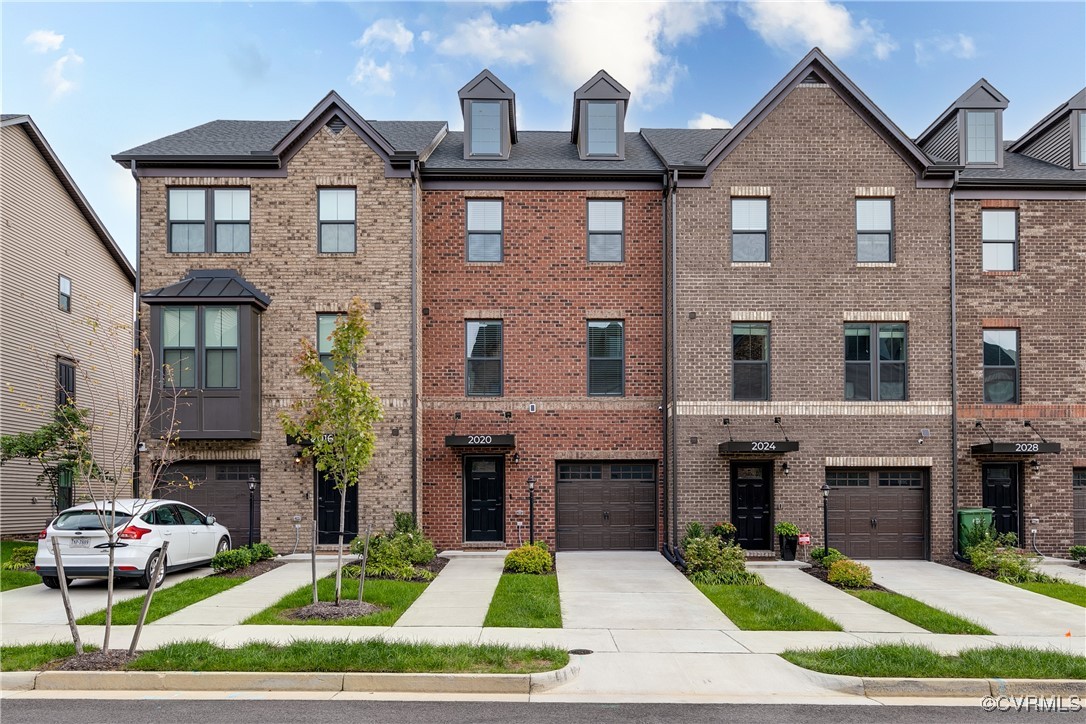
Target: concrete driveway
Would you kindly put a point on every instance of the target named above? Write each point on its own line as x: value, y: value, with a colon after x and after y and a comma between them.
x: 631, y: 590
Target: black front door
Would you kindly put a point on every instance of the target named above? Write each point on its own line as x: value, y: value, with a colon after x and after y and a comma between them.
x: 484, y: 498
x: 1001, y: 495
x: 752, y: 503
x: 327, y: 510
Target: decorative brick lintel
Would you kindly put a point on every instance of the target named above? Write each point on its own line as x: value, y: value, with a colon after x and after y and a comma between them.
x: 876, y: 316
x: 484, y: 194
x: 751, y: 264
x: 543, y: 404
x: 1010, y: 322
x: 606, y: 454
x: 876, y: 191
x: 604, y: 314
x: 1022, y: 412
x: 484, y: 314
x: 872, y: 409
x: 876, y: 264
x: 752, y: 316
x: 999, y: 204
x: 605, y: 194
x: 755, y: 191
x: 879, y: 462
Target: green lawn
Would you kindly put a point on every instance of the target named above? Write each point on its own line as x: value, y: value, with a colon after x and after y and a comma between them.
x: 911, y: 661
x: 15, y: 579
x: 30, y: 657
x: 395, y: 596
x: 1065, y: 591
x: 525, y: 600
x: 334, y: 656
x: 166, y: 601
x: 761, y: 608
x: 921, y: 614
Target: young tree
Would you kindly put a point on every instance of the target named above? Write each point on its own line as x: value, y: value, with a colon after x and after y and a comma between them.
x: 336, y: 424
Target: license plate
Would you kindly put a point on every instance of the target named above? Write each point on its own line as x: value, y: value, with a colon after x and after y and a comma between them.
x: 78, y: 543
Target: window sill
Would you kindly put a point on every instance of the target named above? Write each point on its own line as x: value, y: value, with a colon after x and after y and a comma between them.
x: 876, y: 264
x: 1001, y: 272
x: 337, y: 253
x: 761, y: 264
x: 485, y: 263
x: 605, y: 263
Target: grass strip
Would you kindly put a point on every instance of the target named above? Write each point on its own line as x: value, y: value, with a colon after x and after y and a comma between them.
x: 761, y: 608
x: 15, y: 579
x: 394, y: 596
x: 1064, y: 591
x: 912, y: 661
x: 354, y: 656
x: 31, y: 657
x: 166, y: 601
x: 525, y: 600
x: 925, y: 616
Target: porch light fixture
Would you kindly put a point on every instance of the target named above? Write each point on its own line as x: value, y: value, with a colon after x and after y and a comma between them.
x: 516, y: 458
x: 825, y: 519
x: 924, y: 433
x: 784, y: 468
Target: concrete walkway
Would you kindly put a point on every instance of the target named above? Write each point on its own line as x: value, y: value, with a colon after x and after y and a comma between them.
x: 1063, y: 569
x: 850, y: 612
x: 1001, y: 608
x: 460, y: 596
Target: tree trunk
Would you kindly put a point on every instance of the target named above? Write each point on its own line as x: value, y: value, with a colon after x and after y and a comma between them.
x: 365, y: 559
x: 109, y: 588
x: 147, y: 599
x: 339, y: 537
x: 313, y: 561
x: 66, y: 598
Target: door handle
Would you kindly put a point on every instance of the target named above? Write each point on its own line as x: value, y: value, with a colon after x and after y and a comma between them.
x: 874, y: 522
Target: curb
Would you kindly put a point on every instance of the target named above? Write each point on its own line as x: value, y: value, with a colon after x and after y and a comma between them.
x: 890, y: 687
x: 286, y: 681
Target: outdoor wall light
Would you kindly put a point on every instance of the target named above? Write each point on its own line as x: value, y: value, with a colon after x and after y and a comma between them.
x: 1034, y: 464
x: 297, y: 458
x: 924, y: 434
x: 784, y: 468
x: 516, y: 458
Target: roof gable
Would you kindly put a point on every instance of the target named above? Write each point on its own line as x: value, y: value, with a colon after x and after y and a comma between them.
x: 982, y: 95
x: 600, y: 87
x: 332, y: 105
x: 1076, y: 102
x: 488, y: 87
x: 817, y: 64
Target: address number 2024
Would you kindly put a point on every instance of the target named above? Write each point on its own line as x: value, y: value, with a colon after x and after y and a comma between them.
x: 1026, y: 447
x: 759, y: 446
x: 479, y: 439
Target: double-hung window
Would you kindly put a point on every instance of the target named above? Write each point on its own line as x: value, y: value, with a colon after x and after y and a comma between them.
x: 980, y: 137
x: 874, y: 230
x: 484, y: 229
x: 326, y: 324
x: 750, y: 230
x: 336, y: 214
x: 188, y: 220
x: 65, y: 382
x: 999, y: 237
x: 486, y: 137
x: 64, y: 294
x: 224, y: 213
x: 602, y: 128
x: 179, y: 346
x: 1001, y: 366
x: 750, y: 361
x: 605, y: 230
x: 221, y: 347
x: 231, y: 220
x: 209, y: 334
x: 875, y: 361
x: 484, y: 358
x: 606, y: 357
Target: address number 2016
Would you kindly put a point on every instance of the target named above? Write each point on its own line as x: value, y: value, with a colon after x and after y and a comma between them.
x: 1026, y: 447
x: 758, y: 446
x: 479, y: 439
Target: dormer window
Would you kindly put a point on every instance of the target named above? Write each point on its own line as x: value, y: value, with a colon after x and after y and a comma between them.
x: 980, y: 137
x: 1082, y: 138
x: 599, y: 114
x: 490, y: 127
x: 602, y: 128
x: 486, y: 135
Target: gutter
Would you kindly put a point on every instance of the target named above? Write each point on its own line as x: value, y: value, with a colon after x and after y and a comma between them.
x: 953, y: 374
x: 136, y: 346
x: 664, y: 399
x: 675, y: 364
x: 414, y: 185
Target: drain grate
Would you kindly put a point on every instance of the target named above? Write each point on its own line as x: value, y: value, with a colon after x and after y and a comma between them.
x: 580, y: 652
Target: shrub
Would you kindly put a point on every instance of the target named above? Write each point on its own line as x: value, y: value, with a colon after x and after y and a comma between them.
x: 529, y: 559
x: 1000, y: 557
x: 826, y: 557
x: 231, y: 560
x: 1078, y: 553
x: 261, y: 552
x: 398, y: 572
x: 978, y: 533
x: 727, y: 578
x: 713, y: 554
x: 22, y: 559
x: 850, y: 574
x: 395, y: 554
x: 786, y: 529
x: 404, y: 523
x: 694, y: 530
x: 724, y: 530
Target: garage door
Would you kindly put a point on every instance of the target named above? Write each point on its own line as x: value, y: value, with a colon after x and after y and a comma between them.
x: 219, y: 489
x: 1079, y: 492
x: 606, y: 506
x: 878, y: 513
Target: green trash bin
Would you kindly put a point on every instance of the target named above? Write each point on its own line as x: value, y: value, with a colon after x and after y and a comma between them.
x: 967, y: 518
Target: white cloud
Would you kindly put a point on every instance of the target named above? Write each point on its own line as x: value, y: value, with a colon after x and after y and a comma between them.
x: 44, y: 41
x: 629, y: 40
x: 800, y: 24
x: 426, y: 36
x: 387, y: 34
x: 707, y: 120
x: 959, y: 46
x: 375, y: 79
x: 55, y: 78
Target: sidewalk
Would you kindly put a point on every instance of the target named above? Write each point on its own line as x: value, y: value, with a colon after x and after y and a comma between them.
x: 1063, y: 569
x: 460, y: 596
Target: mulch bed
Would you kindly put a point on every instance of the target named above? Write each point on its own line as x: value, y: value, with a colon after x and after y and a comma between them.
x: 823, y: 575
x: 253, y: 570
x: 111, y: 660
x: 328, y: 611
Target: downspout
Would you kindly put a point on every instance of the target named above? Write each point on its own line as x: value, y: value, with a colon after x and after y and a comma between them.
x: 136, y: 346
x: 664, y: 399
x: 954, y: 376
x: 674, y: 325
x: 414, y: 346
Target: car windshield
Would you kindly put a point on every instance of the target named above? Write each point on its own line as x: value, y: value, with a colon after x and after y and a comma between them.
x: 88, y: 519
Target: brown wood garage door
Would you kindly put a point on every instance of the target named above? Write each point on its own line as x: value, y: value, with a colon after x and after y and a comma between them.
x: 878, y: 513
x: 606, y: 506
x: 219, y: 489
x: 1079, y: 506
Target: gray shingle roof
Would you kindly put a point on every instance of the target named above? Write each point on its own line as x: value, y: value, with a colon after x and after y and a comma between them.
x: 1019, y: 167
x: 247, y: 138
x: 544, y: 151
x: 9, y: 116
x: 683, y: 146
x: 217, y: 284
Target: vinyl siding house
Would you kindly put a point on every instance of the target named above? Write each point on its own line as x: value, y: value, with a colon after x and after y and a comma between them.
x: 58, y: 266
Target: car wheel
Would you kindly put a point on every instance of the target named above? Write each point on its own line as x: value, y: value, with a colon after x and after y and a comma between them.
x: 224, y: 545
x: 51, y: 581
x: 145, y: 580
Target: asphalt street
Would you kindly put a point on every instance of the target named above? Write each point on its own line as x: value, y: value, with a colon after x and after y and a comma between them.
x: 147, y: 711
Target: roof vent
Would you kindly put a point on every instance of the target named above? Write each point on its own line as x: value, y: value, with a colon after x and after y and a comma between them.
x: 336, y: 124
x: 813, y: 79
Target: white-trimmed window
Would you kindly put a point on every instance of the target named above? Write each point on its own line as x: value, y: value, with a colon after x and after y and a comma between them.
x: 64, y: 294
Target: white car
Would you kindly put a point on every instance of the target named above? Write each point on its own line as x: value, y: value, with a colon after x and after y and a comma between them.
x: 141, y: 528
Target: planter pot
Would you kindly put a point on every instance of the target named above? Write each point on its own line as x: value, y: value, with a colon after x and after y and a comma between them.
x: 788, y: 547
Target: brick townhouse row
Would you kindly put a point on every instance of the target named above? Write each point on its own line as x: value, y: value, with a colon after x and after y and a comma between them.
x: 595, y: 335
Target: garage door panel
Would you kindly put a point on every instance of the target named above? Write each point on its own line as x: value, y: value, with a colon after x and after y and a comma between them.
x: 878, y: 514
x: 606, y: 506
x: 218, y: 489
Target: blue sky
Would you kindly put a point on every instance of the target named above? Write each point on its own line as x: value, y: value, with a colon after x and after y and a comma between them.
x: 99, y: 78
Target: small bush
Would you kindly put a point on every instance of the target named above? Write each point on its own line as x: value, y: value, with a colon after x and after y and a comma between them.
x: 713, y: 554
x: 231, y: 560
x: 694, y: 530
x: 850, y: 574
x: 261, y: 552
x: 390, y: 571
x: 786, y: 529
x: 1078, y: 553
x: 1000, y: 557
x: 529, y: 559
x: 978, y: 533
x: 22, y: 559
x: 726, y: 578
x: 404, y: 523
x: 826, y: 557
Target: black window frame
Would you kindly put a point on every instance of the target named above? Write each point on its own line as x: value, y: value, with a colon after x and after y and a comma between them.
x: 66, y: 381
x: 891, y: 251
x: 468, y: 231
x: 468, y: 358
x: 621, y: 233
x: 1017, y: 367
x: 590, y: 358
x: 875, y: 363
x: 1001, y: 242
x: 353, y: 222
x: 209, y: 222
x: 765, y: 364
x: 750, y: 232
x: 64, y: 299
x: 199, y: 352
